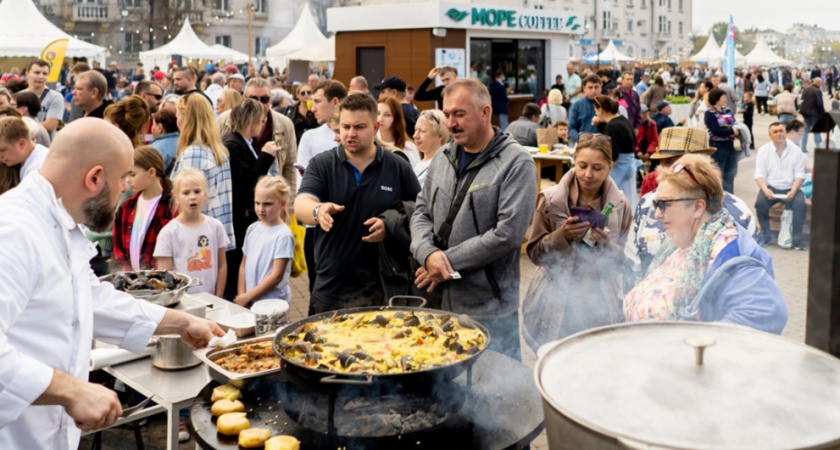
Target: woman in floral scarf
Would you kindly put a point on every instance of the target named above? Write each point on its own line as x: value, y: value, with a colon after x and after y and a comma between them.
x: 709, y: 268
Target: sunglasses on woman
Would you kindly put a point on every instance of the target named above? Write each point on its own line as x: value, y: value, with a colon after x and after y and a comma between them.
x: 305, y: 92
x: 428, y: 115
x: 597, y: 137
x: 262, y: 99
x: 677, y: 168
x: 662, y: 205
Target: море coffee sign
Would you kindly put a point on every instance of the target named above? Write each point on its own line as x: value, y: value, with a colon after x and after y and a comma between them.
x: 489, y: 17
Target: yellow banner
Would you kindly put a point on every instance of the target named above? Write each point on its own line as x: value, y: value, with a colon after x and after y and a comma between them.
x: 53, y: 53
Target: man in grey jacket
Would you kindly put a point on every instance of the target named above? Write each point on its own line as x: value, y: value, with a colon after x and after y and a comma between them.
x: 480, y: 244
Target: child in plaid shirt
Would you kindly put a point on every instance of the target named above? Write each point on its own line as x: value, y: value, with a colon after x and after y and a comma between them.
x: 139, y: 219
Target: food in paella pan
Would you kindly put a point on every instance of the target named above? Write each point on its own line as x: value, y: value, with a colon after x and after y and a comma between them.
x: 250, y: 358
x: 282, y: 442
x: 150, y: 280
x: 225, y: 391
x: 254, y: 437
x: 231, y: 424
x: 383, y: 342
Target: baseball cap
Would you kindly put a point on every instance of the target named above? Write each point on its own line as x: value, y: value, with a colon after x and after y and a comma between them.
x: 661, y: 105
x: 230, y: 68
x: 159, y: 75
x: 392, y: 82
x: 237, y: 76
x: 644, y: 108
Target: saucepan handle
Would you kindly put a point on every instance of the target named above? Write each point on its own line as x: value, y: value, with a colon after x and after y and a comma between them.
x: 407, y: 297
x: 333, y: 379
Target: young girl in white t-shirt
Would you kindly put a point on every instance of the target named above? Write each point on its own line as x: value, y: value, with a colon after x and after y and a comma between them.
x: 268, y: 248
x: 192, y: 243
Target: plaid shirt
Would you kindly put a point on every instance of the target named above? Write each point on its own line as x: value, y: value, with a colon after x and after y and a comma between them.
x: 219, y: 187
x: 124, y: 221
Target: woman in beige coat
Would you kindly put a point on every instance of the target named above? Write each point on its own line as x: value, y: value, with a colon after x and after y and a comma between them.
x: 578, y: 283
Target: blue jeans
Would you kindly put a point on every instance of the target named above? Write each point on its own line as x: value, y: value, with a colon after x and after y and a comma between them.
x: 809, y: 122
x: 726, y: 158
x: 784, y: 118
x: 624, y: 175
x: 503, y: 121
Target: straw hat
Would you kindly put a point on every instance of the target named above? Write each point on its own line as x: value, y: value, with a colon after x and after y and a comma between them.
x: 678, y: 141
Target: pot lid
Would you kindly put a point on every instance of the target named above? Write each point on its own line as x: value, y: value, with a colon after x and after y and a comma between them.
x: 643, y: 383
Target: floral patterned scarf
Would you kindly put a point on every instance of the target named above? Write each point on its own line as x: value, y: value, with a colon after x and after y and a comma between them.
x: 696, y: 262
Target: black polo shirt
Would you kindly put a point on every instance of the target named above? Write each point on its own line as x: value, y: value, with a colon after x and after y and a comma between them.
x: 346, y: 266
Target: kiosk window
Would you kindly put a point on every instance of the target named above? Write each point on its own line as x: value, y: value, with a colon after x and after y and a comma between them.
x: 521, y: 60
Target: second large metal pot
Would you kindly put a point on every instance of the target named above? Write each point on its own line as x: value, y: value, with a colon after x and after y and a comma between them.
x: 164, y: 298
x: 172, y: 353
x: 680, y: 385
x: 297, y: 371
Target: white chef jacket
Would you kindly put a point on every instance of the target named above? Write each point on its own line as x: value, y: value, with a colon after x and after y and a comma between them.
x: 51, y: 307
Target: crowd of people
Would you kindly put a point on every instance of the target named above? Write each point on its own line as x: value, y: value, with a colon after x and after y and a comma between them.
x: 210, y: 173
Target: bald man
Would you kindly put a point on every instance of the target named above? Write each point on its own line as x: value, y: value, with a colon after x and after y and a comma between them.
x: 51, y: 304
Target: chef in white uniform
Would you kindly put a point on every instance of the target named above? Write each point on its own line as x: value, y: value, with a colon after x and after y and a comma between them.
x: 51, y: 304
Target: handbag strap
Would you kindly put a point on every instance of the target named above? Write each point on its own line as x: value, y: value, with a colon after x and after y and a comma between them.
x: 442, y: 235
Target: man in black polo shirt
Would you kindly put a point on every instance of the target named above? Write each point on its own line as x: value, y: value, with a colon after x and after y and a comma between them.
x: 343, y: 192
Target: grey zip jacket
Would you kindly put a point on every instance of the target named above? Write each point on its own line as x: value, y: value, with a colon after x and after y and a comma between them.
x: 487, y: 233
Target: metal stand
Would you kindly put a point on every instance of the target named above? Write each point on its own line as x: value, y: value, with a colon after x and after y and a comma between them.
x: 822, y: 328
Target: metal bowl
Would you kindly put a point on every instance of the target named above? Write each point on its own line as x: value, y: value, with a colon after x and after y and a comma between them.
x: 162, y: 298
x: 208, y: 356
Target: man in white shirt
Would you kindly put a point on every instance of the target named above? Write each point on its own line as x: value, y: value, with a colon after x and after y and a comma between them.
x: 214, y: 90
x: 17, y: 147
x: 51, y: 304
x: 779, y: 173
x: 52, y: 103
x: 325, y: 99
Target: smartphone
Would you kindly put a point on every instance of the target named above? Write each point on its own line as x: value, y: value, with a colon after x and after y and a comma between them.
x: 595, y: 218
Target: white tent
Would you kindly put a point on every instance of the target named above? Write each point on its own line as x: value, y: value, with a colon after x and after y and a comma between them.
x: 24, y: 32
x: 762, y: 55
x: 711, y: 53
x: 322, y: 51
x: 186, y: 44
x: 611, y: 54
x: 233, y: 55
x: 304, y: 34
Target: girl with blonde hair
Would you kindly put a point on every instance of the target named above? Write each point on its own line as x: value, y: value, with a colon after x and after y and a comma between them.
x: 228, y: 99
x: 200, y: 147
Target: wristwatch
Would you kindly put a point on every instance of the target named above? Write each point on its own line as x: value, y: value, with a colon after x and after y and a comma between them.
x: 315, y: 212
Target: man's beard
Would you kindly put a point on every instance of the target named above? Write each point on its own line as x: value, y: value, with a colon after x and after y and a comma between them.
x: 99, y: 213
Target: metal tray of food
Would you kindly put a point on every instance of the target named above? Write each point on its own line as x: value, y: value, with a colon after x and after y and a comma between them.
x: 217, y: 373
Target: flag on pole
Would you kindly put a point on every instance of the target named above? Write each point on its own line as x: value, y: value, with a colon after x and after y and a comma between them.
x: 729, y: 52
x: 53, y: 53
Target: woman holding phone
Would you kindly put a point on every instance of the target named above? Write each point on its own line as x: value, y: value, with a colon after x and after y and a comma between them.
x: 578, y: 282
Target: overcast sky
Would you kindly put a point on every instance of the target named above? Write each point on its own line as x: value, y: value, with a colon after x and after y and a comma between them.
x: 776, y: 14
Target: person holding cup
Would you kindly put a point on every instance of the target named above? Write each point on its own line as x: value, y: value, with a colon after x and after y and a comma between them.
x: 524, y: 129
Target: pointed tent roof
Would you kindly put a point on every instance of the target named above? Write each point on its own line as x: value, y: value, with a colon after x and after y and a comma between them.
x: 322, y: 51
x: 304, y: 34
x: 611, y: 53
x: 186, y: 44
x: 711, y: 53
x: 24, y: 32
x: 763, y: 55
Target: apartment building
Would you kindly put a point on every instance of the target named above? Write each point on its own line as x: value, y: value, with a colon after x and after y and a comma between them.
x: 151, y: 23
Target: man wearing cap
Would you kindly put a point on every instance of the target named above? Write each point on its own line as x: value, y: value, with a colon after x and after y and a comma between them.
x: 395, y: 87
x: 647, y: 139
x: 236, y: 82
x: 648, y: 233
x: 662, y: 119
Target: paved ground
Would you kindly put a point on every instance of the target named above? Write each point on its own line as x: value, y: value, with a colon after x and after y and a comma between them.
x: 791, y: 268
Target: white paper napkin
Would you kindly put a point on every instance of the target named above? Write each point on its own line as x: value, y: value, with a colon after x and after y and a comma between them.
x: 224, y: 341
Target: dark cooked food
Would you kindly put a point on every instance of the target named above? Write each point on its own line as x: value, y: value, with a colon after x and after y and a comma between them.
x: 383, y: 342
x: 250, y: 358
x: 150, y: 280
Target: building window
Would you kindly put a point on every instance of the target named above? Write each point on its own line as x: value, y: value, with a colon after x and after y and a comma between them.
x: 629, y: 51
x: 522, y: 61
x: 630, y: 26
x: 224, y: 40
x: 221, y: 5
x: 669, y: 5
x: 629, y: 3
x: 615, y: 25
x: 680, y: 28
x: 132, y: 3
x: 680, y: 5
x: 260, y: 44
x: 261, y: 6
x: 661, y: 3
x: 605, y: 22
x: 133, y: 43
x: 661, y: 26
x: 669, y: 28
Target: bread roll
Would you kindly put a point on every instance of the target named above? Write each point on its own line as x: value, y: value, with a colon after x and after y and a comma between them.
x: 282, y: 442
x: 225, y: 391
x: 231, y: 424
x: 225, y: 406
x: 254, y: 437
